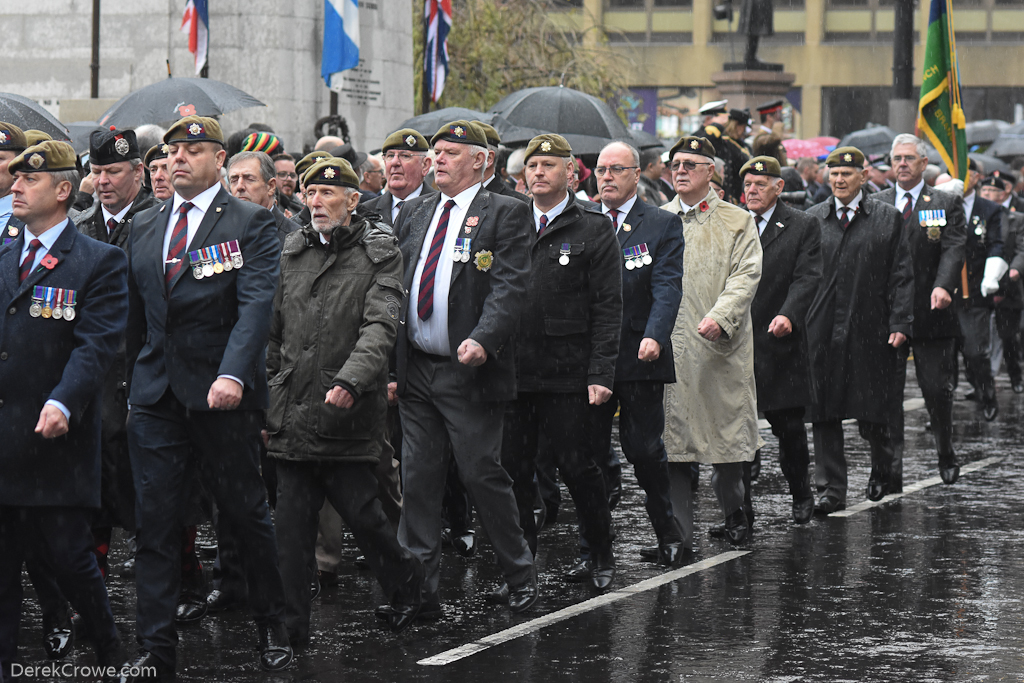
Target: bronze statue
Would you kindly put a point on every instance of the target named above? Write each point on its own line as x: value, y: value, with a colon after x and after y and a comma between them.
x: 756, y: 20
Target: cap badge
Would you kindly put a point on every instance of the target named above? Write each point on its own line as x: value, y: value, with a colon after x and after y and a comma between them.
x: 166, y: 149
x: 329, y: 173
x: 36, y: 160
x: 545, y: 146
x: 121, y: 146
x: 410, y: 140
x: 195, y: 129
x: 847, y: 157
x: 759, y: 166
x: 3, y: 137
x: 459, y: 132
x: 694, y: 144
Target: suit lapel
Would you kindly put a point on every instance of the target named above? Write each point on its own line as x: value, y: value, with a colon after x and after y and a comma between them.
x: 59, y: 251
x: 634, y: 219
x: 476, y: 214
x: 775, y: 226
x: 419, y: 223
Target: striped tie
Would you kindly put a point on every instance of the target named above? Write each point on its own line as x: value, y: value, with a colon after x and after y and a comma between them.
x: 425, y: 303
x: 908, y: 207
x: 397, y: 210
x: 30, y: 258
x: 844, y: 220
x: 543, y: 224
x: 111, y: 227
x: 176, y: 249
x: 614, y: 215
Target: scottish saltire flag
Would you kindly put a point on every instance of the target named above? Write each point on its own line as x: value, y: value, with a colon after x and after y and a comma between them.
x: 196, y: 23
x: 941, y: 116
x: 341, y: 40
x: 437, y: 15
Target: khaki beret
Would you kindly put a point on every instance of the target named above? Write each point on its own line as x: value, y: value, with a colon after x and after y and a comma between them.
x: 768, y: 166
x: 12, y: 138
x: 715, y: 178
x: 331, y: 171
x: 157, y: 152
x: 693, y: 145
x: 109, y: 146
x: 195, y: 129
x: 34, y: 137
x: 305, y: 162
x: 548, y: 144
x: 493, y: 139
x: 461, y: 131
x: 845, y: 156
x: 407, y: 139
x: 49, y: 155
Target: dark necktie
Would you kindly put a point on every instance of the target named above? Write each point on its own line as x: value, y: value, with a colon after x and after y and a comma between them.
x: 30, y: 258
x: 543, y: 224
x: 425, y: 303
x: 844, y: 219
x: 908, y: 207
x: 176, y: 248
x: 111, y: 226
x: 614, y: 215
x: 398, y: 208
x: 758, y: 220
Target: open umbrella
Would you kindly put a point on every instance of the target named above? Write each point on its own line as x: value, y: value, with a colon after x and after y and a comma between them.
x: 174, y: 98
x: 873, y: 140
x: 985, y: 131
x: 564, y: 111
x: 80, y: 132
x: 990, y: 163
x: 796, y: 149
x: 29, y: 115
x: 431, y: 122
x: 1010, y: 142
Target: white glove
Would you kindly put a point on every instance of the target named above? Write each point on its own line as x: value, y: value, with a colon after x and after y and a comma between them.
x: 995, y: 268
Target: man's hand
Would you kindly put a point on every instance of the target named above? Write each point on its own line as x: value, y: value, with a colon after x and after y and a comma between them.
x: 225, y: 394
x: 471, y: 353
x: 780, y: 326
x: 52, y: 422
x: 339, y: 397
x: 392, y: 393
x: 940, y: 299
x: 896, y: 339
x: 598, y: 394
x: 266, y: 438
x: 650, y: 350
x: 709, y: 329
x: 1014, y: 274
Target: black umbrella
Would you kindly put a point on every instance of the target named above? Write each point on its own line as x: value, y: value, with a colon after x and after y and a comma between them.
x: 984, y: 132
x: 1010, y: 142
x: 174, y: 98
x: 874, y: 140
x: 431, y: 122
x: 564, y: 111
x: 29, y: 115
x: 644, y: 140
x: 991, y: 163
x: 80, y: 132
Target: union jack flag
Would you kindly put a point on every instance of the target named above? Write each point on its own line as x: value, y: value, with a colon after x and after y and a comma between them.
x: 437, y: 15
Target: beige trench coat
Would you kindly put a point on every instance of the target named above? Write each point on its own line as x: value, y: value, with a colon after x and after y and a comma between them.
x: 711, y: 410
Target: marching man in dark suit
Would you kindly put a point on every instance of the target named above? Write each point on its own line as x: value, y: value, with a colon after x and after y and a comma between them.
x: 66, y: 303
x: 456, y: 356
x: 406, y: 164
x: 790, y: 277
x: 651, y: 243
x: 202, y: 276
x: 936, y: 232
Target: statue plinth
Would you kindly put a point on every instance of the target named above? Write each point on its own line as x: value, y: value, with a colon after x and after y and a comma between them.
x: 756, y: 66
x: 747, y: 88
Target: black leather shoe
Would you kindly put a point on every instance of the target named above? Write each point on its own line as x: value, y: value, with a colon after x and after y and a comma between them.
x: 578, y: 573
x: 990, y: 410
x: 650, y: 554
x: 464, y: 543
x: 717, y: 531
x: 1018, y: 387
x: 949, y: 475
x: 971, y: 396
x: 314, y: 588
x: 192, y: 607
x: 671, y: 554
x: 59, y: 636
x: 828, y: 504
x: 755, y: 466
x: 429, y: 611
x: 803, y: 510
x: 498, y: 596
x: 146, y: 668
x: 523, y: 596
x: 275, y: 650
x: 736, y: 527
x: 403, y: 613
x: 219, y: 601
x: 877, y: 490
x: 602, y: 573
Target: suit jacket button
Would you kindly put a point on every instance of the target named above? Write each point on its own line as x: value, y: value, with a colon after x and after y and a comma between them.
x: 1, y: 403
x: 12, y: 310
x: 3, y: 356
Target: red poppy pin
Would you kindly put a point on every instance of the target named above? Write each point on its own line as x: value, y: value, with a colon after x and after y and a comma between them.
x: 472, y: 221
x: 703, y: 207
x: 187, y: 110
x: 49, y: 262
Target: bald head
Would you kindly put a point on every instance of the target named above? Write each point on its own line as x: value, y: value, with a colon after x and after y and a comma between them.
x: 328, y: 142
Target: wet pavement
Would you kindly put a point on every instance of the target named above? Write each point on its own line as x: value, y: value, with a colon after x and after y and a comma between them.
x: 928, y: 587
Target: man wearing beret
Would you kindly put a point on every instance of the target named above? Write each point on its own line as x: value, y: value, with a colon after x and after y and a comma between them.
x: 159, y: 176
x: 492, y: 181
x: 936, y: 232
x: 467, y: 264
x: 406, y: 164
x: 356, y: 266
x: 861, y: 315
x: 12, y: 143
x: 711, y: 410
x: 66, y: 303
x: 202, y: 275
x: 302, y: 218
x: 790, y: 276
x: 567, y: 344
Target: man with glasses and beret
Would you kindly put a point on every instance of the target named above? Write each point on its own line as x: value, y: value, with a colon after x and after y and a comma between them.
x: 406, y: 164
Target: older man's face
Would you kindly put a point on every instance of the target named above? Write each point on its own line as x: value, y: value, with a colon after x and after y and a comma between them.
x: 373, y: 180
x: 846, y: 182
x: 691, y: 174
x: 160, y: 177
x: 761, y: 191
x: 457, y: 166
x: 548, y: 176
x: 246, y: 183
x: 616, y: 180
x: 993, y: 194
x: 908, y: 164
x: 405, y: 171
x: 117, y: 184
x: 330, y: 206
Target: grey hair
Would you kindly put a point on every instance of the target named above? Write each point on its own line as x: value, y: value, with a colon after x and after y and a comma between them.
x: 368, y: 165
x: 267, y: 168
x: 149, y: 135
x: 931, y: 172
x: 632, y: 150
x: 908, y: 139
x: 72, y: 176
x: 473, y: 149
x: 516, y: 161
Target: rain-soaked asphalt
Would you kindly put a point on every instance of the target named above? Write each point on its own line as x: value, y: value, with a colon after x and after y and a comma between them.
x: 928, y: 587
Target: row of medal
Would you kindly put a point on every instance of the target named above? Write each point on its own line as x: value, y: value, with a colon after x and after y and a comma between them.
x: 637, y: 257
x: 53, y: 302
x: 932, y: 219
x: 462, y: 249
x: 216, y: 259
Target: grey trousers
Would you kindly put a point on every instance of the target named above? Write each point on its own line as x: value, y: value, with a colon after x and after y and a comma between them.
x: 727, y: 482
x: 830, y: 470
x: 435, y: 414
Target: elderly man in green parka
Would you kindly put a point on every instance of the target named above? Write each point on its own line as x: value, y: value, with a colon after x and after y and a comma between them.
x: 335, y: 321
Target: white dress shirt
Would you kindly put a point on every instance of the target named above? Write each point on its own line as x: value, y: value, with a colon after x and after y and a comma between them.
x: 431, y: 335
x: 6, y: 209
x: 969, y: 205
x: 118, y: 217
x: 200, y: 205
x: 852, y: 206
x: 766, y: 216
x: 551, y: 213
x: 623, y: 210
x: 395, y: 201
x: 914, y: 192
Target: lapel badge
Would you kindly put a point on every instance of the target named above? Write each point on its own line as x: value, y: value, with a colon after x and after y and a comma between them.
x: 626, y: 227
x: 48, y: 262
x: 703, y: 207
x: 218, y: 209
x: 472, y: 221
x: 927, y: 198
x: 934, y: 233
x: 779, y: 223
x: 12, y: 231
x: 484, y: 260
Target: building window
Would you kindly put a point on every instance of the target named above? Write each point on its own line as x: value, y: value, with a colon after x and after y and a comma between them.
x: 626, y: 4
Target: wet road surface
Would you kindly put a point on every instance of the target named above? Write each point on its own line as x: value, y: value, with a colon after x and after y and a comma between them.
x: 928, y: 587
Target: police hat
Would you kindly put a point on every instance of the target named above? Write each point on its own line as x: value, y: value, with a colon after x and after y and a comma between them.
x: 406, y: 139
x: 195, y: 129
x: 693, y: 145
x: 49, y: 155
x: 111, y: 146
x: 770, y: 107
x: 331, y: 171
x: 12, y: 138
x: 845, y: 156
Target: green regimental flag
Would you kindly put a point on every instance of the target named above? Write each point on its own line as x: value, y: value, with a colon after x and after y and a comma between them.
x: 941, y: 116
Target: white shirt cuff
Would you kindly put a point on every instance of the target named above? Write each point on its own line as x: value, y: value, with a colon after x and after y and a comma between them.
x: 232, y: 377
x: 61, y: 407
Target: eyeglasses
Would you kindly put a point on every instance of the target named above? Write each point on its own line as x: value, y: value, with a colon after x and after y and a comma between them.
x: 284, y: 175
x: 909, y: 158
x: 614, y: 170
x: 376, y: 170
x: 688, y: 166
x: 401, y: 156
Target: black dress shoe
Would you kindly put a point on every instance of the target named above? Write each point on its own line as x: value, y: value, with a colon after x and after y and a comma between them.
x: 971, y: 396
x: 650, y: 554
x: 59, y: 636
x: 314, y: 588
x: 146, y: 668
x: 403, y: 613
x: 949, y: 475
x: 716, y: 531
x: 803, y: 510
x: 429, y: 611
x: 275, y: 650
x: 828, y: 504
x: 219, y: 601
x: 736, y: 527
x: 498, y: 596
x: 192, y: 607
x: 523, y: 596
x: 1018, y: 387
x: 877, y: 490
x: 464, y: 543
x: 671, y: 554
x: 578, y: 573
x: 990, y: 410
x: 602, y: 573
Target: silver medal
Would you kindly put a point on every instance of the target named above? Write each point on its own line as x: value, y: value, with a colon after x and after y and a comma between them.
x: 563, y: 260
x: 630, y: 265
x: 207, y: 270
x: 57, y: 313
x: 197, y: 272
x: 69, y: 313
x: 648, y: 260
x: 465, y: 256
x: 35, y: 310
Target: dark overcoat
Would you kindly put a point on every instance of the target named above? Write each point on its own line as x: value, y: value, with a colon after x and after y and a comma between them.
x: 1012, y: 291
x: 984, y: 241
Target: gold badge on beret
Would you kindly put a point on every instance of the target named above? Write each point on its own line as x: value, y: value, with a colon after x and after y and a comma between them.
x: 166, y: 149
x: 329, y: 173
x: 410, y: 140
x: 3, y: 138
x: 459, y: 132
x: 759, y: 166
x: 36, y: 160
x: 694, y: 144
x: 195, y: 129
x: 484, y: 260
x: 847, y: 157
x: 121, y: 146
x: 545, y: 146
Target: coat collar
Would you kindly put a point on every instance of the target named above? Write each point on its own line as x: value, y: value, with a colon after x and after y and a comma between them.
x: 635, y: 220
x: 11, y: 265
x: 780, y: 216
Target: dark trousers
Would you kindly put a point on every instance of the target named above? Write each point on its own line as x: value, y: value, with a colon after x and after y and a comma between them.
x: 830, y: 472
x: 641, y: 425
x: 730, y: 481
x: 166, y: 441
x: 794, y: 456
x: 557, y: 424
x: 1008, y: 329
x: 935, y: 367
x: 352, y: 491
x: 976, y: 342
x: 60, y: 538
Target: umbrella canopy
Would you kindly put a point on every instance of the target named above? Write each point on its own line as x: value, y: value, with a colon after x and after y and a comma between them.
x: 796, y: 149
x: 29, y: 115
x: 990, y: 163
x: 984, y: 132
x: 431, y: 122
x: 564, y: 111
x: 875, y: 140
x: 80, y: 132
x: 1010, y: 142
x: 174, y: 98
x: 644, y: 140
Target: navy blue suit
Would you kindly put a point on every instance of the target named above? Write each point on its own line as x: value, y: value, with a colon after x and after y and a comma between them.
x: 48, y: 486
x: 183, y: 340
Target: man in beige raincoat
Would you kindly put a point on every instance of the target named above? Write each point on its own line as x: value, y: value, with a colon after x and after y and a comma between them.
x: 711, y: 411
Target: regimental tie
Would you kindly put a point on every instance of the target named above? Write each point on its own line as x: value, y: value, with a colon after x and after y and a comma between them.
x: 908, y: 207
x: 111, y: 227
x: 844, y: 219
x: 758, y: 220
x: 398, y: 209
x: 30, y: 258
x: 543, y: 224
x: 425, y: 302
x: 614, y: 215
x: 176, y: 248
